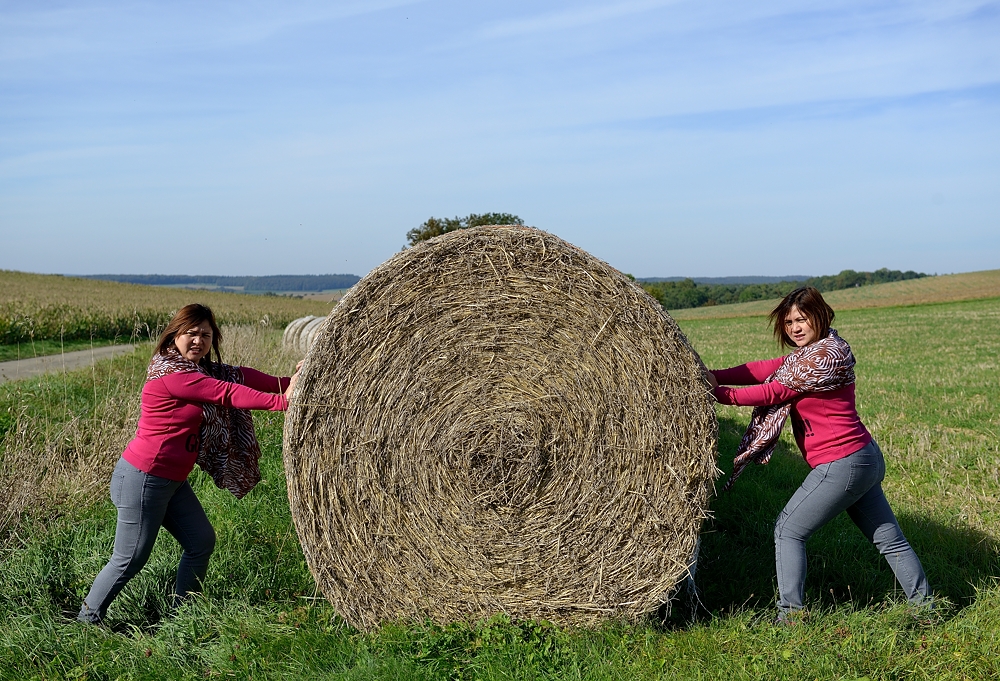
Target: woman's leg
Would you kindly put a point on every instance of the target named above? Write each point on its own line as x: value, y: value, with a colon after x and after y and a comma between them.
x: 186, y: 520
x: 142, y: 501
x: 828, y: 489
x: 872, y: 515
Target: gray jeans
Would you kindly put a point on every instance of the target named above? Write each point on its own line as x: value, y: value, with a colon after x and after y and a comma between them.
x: 852, y: 484
x: 145, y: 503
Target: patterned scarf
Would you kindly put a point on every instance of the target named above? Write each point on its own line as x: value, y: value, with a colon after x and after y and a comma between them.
x: 228, y: 449
x: 827, y: 364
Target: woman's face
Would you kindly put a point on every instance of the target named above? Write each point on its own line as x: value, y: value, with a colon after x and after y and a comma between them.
x: 799, y: 328
x: 194, y: 343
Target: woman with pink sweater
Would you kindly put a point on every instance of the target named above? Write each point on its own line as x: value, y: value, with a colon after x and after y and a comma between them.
x: 815, y: 386
x: 193, y: 410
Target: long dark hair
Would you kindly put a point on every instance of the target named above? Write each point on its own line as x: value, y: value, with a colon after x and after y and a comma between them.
x: 188, y: 317
x: 810, y: 303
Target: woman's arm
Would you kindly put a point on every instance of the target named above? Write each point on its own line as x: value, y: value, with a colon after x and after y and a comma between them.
x: 750, y: 373
x: 265, y: 383
x: 755, y: 395
x: 197, y: 387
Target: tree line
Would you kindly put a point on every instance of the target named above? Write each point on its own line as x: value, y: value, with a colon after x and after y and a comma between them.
x: 679, y: 295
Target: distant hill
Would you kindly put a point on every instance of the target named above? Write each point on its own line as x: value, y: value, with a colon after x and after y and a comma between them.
x: 726, y: 280
x: 272, y: 283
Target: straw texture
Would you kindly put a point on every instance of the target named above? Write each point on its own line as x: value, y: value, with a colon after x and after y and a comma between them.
x: 495, y: 421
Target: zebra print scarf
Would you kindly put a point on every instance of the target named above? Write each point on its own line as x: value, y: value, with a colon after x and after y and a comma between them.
x: 827, y: 364
x: 228, y: 450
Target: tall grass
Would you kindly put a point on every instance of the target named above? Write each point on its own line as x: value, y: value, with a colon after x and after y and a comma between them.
x: 926, y: 391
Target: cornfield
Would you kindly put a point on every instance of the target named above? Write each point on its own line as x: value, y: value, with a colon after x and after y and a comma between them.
x: 45, y: 306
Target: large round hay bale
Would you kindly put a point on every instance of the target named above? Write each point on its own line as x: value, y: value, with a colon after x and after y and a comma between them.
x: 495, y: 421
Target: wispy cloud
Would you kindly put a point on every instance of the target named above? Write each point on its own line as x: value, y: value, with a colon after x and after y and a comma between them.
x: 33, y: 34
x: 806, y: 112
x: 569, y: 19
x: 269, y: 22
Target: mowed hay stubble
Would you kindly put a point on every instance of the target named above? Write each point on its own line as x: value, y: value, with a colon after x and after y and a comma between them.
x: 495, y: 421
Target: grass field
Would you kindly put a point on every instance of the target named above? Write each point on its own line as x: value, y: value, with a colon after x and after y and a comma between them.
x: 37, y: 307
x: 928, y: 388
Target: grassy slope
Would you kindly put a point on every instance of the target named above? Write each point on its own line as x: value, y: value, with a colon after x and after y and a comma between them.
x: 942, y: 289
x: 927, y: 392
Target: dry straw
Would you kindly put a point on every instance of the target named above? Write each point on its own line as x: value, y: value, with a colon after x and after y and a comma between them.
x: 495, y: 421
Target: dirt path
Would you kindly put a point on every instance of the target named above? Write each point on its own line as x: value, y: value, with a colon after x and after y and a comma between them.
x: 53, y: 364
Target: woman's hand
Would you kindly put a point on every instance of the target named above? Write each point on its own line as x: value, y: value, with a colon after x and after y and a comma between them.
x: 292, y: 382
x: 712, y: 380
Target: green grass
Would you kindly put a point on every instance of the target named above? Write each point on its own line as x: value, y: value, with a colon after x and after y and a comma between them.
x: 928, y: 389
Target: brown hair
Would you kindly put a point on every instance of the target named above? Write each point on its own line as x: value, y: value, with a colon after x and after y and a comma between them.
x: 810, y: 303
x: 187, y: 317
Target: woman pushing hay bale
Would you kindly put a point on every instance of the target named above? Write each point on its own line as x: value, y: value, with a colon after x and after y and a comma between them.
x: 495, y: 421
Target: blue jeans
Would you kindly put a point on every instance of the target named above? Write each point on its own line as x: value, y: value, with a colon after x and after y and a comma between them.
x: 145, y: 503
x: 852, y: 484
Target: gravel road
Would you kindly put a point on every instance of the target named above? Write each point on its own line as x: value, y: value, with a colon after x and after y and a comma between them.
x: 54, y: 364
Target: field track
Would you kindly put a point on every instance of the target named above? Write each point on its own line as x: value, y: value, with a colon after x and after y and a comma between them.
x: 947, y: 288
x: 54, y: 364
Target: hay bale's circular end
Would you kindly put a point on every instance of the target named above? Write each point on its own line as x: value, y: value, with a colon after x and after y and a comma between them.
x: 495, y: 421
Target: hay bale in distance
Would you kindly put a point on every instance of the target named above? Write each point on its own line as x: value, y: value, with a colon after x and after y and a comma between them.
x: 300, y: 333
x: 495, y: 421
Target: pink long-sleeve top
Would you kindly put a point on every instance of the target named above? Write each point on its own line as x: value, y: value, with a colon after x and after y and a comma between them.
x: 167, y: 438
x: 826, y: 425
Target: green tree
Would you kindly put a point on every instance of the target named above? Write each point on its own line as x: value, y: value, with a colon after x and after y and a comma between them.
x: 677, y: 295
x: 434, y: 227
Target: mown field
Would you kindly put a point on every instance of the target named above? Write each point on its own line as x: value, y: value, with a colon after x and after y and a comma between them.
x: 928, y: 387
x: 45, y: 307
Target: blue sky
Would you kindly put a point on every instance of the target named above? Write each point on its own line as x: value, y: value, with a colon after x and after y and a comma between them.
x: 667, y: 138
